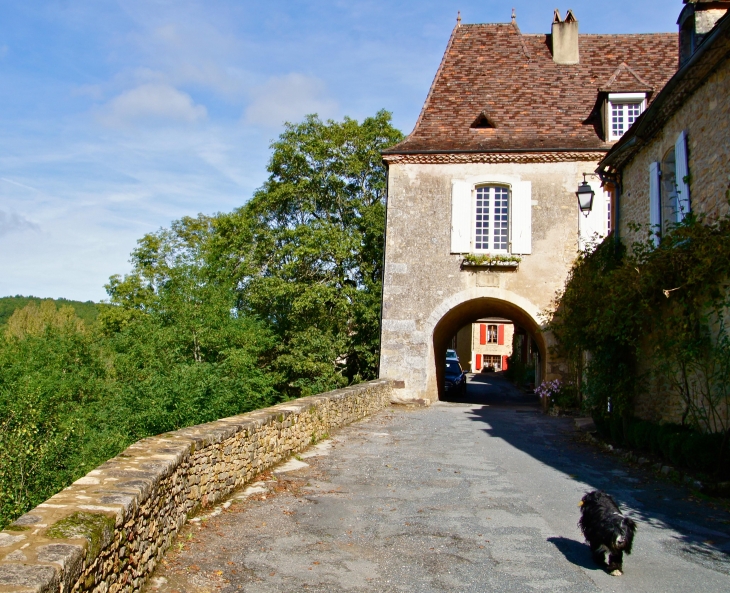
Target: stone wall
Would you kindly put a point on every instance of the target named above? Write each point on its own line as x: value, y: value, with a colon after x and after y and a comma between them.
x: 706, y: 118
x: 424, y: 281
x: 106, y: 532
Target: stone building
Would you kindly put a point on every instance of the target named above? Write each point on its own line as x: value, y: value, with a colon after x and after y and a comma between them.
x: 486, y: 343
x: 676, y: 158
x: 511, y: 124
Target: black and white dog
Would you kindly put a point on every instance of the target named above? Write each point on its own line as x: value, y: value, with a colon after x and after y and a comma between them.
x: 606, y: 530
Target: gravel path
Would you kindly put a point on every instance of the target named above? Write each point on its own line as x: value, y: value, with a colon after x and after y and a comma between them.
x: 456, y: 497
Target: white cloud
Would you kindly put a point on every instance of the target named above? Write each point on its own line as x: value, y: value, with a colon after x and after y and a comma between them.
x: 13, y: 223
x: 289, y: 98
x: 151, y: 102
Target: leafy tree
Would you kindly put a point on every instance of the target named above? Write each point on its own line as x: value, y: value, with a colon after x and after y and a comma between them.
x: 183, y: 352
x: 306, y: 252
x: 87, y: 311
x: 218, y: 316
x: 51, y: 384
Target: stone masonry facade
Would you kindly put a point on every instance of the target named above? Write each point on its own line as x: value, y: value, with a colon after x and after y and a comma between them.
x: 107, y: 531
x: 706, y: 119
x: 424, y: 280
x: 695, y: 102
x: 503, y: 117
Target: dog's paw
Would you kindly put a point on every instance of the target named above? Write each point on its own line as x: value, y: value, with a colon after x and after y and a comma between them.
x: 615, y: 573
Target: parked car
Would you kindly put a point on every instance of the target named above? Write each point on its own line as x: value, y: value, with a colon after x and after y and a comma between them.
x: 452, y: 355
x: 454, y: 379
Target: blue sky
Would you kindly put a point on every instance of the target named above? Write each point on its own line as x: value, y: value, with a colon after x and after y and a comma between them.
x: 119, y: 116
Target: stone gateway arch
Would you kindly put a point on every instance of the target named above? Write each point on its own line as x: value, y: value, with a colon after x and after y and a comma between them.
x: 482, y: 218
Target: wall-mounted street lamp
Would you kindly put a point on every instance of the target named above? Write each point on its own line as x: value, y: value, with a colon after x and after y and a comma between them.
x: 585, y: 197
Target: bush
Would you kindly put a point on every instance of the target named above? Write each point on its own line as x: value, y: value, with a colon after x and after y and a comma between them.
x: 679, y: 445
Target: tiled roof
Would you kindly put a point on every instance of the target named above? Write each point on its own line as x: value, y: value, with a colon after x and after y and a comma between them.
x: 532, y: 102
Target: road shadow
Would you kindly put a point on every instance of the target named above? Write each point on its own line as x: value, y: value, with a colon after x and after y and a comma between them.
x: 515, y: 417
x: 493, y: 389
x: 575, y: 552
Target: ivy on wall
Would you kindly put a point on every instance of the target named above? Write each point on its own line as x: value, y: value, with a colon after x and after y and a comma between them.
x: 652, y: 317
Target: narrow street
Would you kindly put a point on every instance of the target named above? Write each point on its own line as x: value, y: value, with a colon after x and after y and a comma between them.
x: 477, y: 496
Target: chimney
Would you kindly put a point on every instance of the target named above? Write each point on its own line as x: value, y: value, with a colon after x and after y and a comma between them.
x: 565, y: 39
x: 696, y: 20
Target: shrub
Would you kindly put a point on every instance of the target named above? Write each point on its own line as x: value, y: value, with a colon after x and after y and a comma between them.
x: 679, y: 445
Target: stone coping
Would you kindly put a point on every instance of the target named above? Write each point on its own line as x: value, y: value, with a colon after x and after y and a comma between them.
x: 106, y: 532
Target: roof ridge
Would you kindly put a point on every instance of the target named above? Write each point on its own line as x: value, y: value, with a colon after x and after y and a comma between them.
x: 486, y: 24
x: 522, y: 41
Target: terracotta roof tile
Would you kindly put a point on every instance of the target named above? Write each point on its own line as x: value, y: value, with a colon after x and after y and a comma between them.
x: 533, y: 103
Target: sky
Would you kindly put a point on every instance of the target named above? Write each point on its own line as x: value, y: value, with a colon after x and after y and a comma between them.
x: 120, y: 116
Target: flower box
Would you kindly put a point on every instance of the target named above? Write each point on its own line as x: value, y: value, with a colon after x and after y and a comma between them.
x: 502, y: 264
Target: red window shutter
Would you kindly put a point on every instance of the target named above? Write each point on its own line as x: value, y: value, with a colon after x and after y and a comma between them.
x: 504, y: 362
x: 500, y: 335
x: 482, y: 334
x: 479, y: 363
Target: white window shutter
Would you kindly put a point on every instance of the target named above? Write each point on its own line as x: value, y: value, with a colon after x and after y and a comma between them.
x: 680, y: 154
x: 521, y: 218
x: 655, y: 204
x: 461, y: 217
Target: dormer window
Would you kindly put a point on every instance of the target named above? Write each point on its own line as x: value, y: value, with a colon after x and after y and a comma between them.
x: 622, y: 110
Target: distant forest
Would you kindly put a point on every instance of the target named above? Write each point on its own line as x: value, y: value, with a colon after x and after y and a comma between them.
x: 87, y: 311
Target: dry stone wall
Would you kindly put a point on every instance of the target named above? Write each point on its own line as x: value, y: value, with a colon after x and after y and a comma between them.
x: 106, y: 532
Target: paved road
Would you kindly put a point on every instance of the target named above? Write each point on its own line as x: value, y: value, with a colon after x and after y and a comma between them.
x: 459, y: 497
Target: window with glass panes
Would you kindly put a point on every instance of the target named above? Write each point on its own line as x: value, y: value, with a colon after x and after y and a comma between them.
x: 622, y: 116
x: 491, y: 232
x: 492, y: 360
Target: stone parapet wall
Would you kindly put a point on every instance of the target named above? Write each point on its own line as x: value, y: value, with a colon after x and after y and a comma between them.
x: 106, y: 532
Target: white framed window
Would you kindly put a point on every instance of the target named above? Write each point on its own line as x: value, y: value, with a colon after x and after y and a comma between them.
x: 622, y: 110
x: 491, y: 334
x: 491, y: 214
x: 491, y: 219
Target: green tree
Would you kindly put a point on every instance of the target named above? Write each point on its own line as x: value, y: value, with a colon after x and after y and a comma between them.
x: 183, y: 352
x: 87, y: 311
x: 51, y: 385
x: 306, y: 252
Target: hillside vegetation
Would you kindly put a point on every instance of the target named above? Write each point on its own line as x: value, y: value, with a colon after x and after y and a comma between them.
x: 86, y: 311
x: 219, y: 315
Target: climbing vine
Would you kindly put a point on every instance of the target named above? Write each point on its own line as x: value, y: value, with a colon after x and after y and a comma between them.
x: 652, y: 317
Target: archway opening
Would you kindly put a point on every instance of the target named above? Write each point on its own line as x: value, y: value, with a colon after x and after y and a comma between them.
x: 464, y: 315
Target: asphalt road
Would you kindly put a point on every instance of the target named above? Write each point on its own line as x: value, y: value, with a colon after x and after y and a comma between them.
x: 464, y: 497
